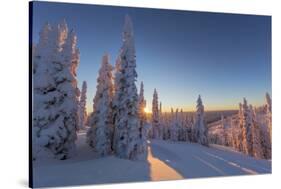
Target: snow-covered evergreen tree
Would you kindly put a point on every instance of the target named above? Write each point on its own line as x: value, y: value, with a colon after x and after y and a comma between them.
x: 142, y: 105
x: 257, y: 150
x: 116, y: 78
x: 170, y: 123
x: 162, y: 123
x: 269, y: 114
x: 181, y: 126
x: 223, y: 125
x: 155, y: 117
x: 268, y: 102
x: 193, y: 137
x: 100, y: 134
x: 247, y: 122
x: 41, y: 51
x: 267, y: 129
x: 188, y: 127
x: 239, y: 134
x: 82, y: 106
x: 183, y: 135
x: 240, y: 112
x: 175, y: 126
x: 200, y: 126
x: 127, y: 140
x: 55, y: 91
x: 248, y: 131
x: 143, y: 122
x: 233, y: 133
x: 165, y: 125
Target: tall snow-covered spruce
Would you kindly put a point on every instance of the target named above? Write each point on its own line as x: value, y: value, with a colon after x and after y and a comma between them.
x: 257, y: 150
x: 100, y: 134
x: 269, y: 114
x: 200, y: 126
x: 142, y: 114
x: 82, y: 106
x: 175, y: 126
x: 247, y: 123
x: 127, y: 136
x: 155, y: 117
x: 143, y: 121
x: 267, y: 129
x: 55, y: 92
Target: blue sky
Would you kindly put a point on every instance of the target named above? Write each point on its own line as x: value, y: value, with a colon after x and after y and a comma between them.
x: 223, y: 57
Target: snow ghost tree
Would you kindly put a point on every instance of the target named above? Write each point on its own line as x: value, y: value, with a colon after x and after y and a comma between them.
x: 267, y: 129
x: 55, y: 92
x: 170, y: 123
x: 143, y: 121
x: 193, y: 137
x: 239, y: 134
x: 223, y: 125
x: 142, y: 105
x: 183, y: 129
x: 199, y: 125
x: 257, y: 150
x: 40, y: 54
x: 162, y: 124
x: 82, y: 106
x: 116, y: 79
x: 175, y: 126
x: 165, y: 125
x: 100, y: 134
x: 247, y: 122
x: 268, y: 102
x: 127, y: 136
x: 155, y: 116
x: 269, y: 114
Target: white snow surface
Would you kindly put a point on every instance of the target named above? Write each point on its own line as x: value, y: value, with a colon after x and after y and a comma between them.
x: 167, y: 160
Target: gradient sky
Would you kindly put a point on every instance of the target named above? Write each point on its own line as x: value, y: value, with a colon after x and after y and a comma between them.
x: 223, y: 57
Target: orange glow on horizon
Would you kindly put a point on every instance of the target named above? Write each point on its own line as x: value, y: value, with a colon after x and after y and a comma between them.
x: 187, y: 108
x: 148, y: 109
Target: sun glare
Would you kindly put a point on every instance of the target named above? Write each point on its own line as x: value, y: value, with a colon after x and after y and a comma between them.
x: 146, y: 110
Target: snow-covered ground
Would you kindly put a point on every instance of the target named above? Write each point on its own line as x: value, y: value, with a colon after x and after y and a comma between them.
x: 166, y: 161
x: 193, y: 160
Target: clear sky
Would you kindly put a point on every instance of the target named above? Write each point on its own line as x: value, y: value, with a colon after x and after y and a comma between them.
x: 223, y: 57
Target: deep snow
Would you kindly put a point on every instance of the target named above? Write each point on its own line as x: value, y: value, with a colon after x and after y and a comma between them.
x: 166, y: 160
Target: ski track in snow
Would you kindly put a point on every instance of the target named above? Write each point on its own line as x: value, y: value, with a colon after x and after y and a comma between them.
x: 254, y: 165
x: 193, y: 160
x: 210, y: 165
x: 166, y: 160
x: 233, y: 164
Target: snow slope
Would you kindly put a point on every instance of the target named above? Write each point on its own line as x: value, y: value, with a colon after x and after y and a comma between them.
x: 167, y: 160
x: 193, y: 160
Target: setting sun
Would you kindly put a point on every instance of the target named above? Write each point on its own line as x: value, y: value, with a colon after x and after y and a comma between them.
x: 146, y: 110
